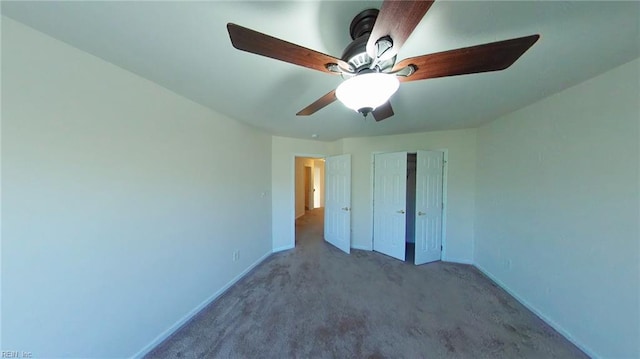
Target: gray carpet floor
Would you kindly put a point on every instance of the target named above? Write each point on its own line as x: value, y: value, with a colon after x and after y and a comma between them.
x: 316, y: 302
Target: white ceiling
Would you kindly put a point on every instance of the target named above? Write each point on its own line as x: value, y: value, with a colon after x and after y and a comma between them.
x: 184, y: 46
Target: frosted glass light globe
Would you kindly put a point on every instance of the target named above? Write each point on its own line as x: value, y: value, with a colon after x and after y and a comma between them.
x: 367, y: 91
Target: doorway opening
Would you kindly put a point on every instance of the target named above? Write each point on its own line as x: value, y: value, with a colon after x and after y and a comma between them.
x: 410, y: 239
x: 308, y: 192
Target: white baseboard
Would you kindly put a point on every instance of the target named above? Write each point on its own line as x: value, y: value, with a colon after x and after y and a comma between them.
x: 457, y: 260
x: 164, y: 335
x: 541, y: 315
x: 283, y: 248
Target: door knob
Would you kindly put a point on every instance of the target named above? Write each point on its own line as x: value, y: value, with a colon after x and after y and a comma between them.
x: 401, y: 211
x: 421, y: 213
x: 345, y: 209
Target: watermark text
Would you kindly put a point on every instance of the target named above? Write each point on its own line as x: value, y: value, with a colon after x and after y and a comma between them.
x: 15, y: 354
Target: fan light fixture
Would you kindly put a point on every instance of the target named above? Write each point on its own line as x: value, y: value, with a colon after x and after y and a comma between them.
x: 364, y: 92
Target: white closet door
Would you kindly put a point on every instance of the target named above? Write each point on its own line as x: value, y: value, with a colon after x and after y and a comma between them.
x: 428, y: 206
x: 337, y: 212
x: 389, y: 204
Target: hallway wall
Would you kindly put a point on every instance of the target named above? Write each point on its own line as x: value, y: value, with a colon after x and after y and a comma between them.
x: 301, y: 163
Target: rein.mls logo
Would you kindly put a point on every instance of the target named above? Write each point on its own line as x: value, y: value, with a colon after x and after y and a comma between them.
x: 16, y: 354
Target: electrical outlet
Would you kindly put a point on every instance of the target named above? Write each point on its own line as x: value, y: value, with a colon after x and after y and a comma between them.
x: 236, y: 255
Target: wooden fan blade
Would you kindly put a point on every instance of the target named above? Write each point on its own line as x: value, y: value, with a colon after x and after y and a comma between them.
x: 493, y: 56
x: 382, y: 112
x: 396, y: 19
x: 319, y: 104
x: 258, y: 43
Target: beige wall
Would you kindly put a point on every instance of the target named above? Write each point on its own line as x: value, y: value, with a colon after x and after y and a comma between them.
x: 558, y: 212
x: 122, y: 202
x: 319, y: 183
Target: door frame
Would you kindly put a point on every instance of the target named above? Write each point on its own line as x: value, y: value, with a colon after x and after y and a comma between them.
x: 292, y: 199
x: 445, y: 171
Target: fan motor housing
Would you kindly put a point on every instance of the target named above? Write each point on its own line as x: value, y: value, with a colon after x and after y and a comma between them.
x: 356, y: 52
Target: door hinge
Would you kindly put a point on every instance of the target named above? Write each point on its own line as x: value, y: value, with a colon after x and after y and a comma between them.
x: 441, y: 247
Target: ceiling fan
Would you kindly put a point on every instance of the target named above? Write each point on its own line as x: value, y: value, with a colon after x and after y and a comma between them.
x: 368, y: 63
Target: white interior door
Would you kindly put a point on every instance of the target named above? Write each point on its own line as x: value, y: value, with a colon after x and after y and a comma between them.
x: 389, y: 204
x: 428, y: 230
x: 337, y: 216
